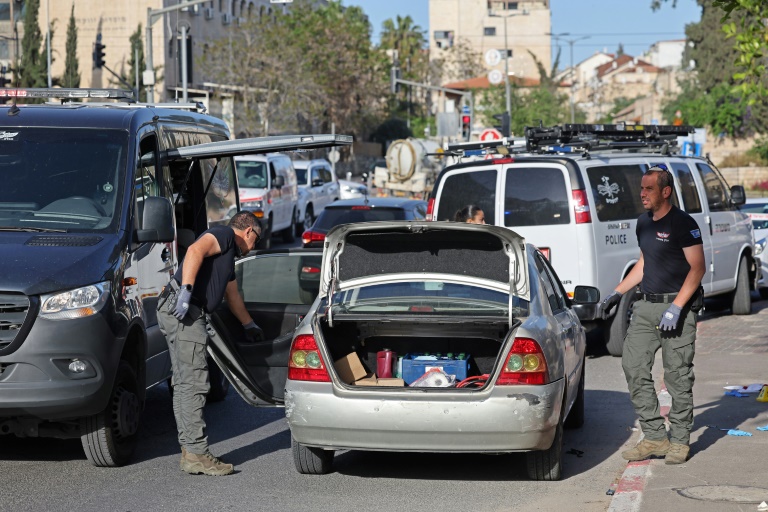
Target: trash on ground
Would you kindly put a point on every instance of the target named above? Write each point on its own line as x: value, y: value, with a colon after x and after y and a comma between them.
x: 734, y: 392
x: 611, y: 492
x: 763, y: 428
x: 737, y: 432
x: 752, y: 388
x: 574, y: 451
x: 762, y: 506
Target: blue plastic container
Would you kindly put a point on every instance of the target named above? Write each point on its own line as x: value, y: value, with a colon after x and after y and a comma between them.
x: 413, y: 368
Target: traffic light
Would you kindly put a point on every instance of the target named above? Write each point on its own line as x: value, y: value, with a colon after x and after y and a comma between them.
x: 394, y: 76
x: 466, y: 126
x: 98, y: 54
x: 503, y: 125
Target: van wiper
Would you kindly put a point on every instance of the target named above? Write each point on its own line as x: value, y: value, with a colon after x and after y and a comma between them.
x: 30, y: 229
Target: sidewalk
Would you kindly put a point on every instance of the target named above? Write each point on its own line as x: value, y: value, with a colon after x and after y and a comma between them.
x: 724, y: 473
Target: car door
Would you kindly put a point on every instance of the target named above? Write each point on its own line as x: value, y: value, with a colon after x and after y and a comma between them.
x: 317, y: 185
x: 330, y: 185
x: 278, y: 289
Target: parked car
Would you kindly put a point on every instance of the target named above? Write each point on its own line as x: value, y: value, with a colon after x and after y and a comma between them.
x: 268, y: 188
x: 321, y: 188
x: 363, y: 209
x: 416, y: 288
x: 352, y: 189
x: 574, y: 192
x: 757, y: 209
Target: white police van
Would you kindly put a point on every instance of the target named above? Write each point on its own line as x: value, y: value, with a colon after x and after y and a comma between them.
x: 574, y: 191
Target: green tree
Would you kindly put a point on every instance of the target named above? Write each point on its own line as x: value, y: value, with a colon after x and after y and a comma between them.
x: 620, y: 50
x: 32, y: 68
x: 71, y: 76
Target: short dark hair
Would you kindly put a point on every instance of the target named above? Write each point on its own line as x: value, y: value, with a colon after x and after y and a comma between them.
x: 467, y: 213
x: 664, y: 177
x: 244, y: 220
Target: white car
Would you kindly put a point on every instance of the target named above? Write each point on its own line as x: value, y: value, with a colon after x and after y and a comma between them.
x: 320, y: 188
x: 757, y: 209
x: 352, y: 189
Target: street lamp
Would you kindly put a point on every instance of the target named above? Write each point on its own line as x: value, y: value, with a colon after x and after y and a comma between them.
x: 573, y: 71
x: 492, y: 14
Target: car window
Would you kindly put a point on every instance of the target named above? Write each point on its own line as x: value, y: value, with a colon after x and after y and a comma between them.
x: 147, y: 181
x: 688, y: 189
x: 616, y: 190
x: 316, y: 175
x: 420, y: 211
x: 331, y: 217
x: 251, y: 174
x: 717, y: 194
x: 535, y: 196
x: 473, y: 187
x: 556, y: 303
x: 301, y: 176
x: 221, y: 195
x: 279, y: 279
x: 326, y: 174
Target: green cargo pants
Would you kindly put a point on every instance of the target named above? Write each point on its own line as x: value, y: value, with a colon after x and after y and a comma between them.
x: 187, y: 340
x: 642, y: 342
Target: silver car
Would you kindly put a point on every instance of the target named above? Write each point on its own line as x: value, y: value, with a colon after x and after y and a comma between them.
x: 482, y: 349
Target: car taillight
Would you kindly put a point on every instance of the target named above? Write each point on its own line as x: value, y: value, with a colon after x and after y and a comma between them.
x: 525, y: 364
x: 310, y: 270
x: 305, y: 361
x: 430, y: 208
x: 360, y: 208
x: 312, y: 236
x: 581, y: 207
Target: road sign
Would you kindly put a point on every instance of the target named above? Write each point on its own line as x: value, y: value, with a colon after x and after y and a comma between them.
x: 492, y: 57
x: 465, y: 110
x: 490, y: 134
x: 495, y: 76
x: 333, y: 156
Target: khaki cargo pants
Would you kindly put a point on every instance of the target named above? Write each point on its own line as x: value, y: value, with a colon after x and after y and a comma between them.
x: 642, y: 342
x: 187, y: 340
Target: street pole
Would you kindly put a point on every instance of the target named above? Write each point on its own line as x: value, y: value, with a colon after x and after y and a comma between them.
x: 506, y: 69
x: 48, y: 23
x: 573, y: 71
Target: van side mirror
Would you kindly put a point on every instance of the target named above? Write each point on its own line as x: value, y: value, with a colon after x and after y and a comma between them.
x: 157, y: 221
x: 738, y: 196
x: 278, y: 182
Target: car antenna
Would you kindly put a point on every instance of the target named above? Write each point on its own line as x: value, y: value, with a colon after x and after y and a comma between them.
x: 14, y: 110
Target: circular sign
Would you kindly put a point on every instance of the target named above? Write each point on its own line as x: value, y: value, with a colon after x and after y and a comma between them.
x: 495, y: 76
x: 490, y: 134
x: 333, y: 156
x: 492, y: 57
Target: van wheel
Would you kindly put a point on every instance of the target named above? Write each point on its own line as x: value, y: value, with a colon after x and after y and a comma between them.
x: 741, y: 302
x: 288, y: 233
x: 266, y: 236
x: 306, y: 223
x: 311, y: 461
x: 615, y: 328
x: 109, y: 437
x: 219, y: 382
x: 575, y: 418
x: 548, y: 464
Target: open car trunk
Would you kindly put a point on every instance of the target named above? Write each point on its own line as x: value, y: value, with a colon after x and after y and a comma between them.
x: 460, y: 349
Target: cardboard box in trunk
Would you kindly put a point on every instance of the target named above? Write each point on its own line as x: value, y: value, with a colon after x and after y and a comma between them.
x: 350, y: 368
x: 368, y: 380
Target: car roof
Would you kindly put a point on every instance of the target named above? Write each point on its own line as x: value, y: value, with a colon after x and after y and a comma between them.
x: 303, y: 164
x: 373, y: 202
x: 757, y: 200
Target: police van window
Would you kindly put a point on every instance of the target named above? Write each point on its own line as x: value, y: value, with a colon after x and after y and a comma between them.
x: 691, y: 200
x: 272, y: 174
x: 147, y: 183
x: 717, y: 197
x: 616, y: 191
x: 535, y: 196
x: 463, y: 188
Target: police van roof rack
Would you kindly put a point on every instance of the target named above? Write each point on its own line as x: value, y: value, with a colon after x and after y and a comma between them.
x: 66, y: 94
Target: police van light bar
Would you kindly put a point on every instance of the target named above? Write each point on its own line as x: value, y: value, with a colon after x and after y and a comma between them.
x: 62, y: 93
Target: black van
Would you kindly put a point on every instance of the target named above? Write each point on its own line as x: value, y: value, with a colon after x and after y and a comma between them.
x: 97, y: 204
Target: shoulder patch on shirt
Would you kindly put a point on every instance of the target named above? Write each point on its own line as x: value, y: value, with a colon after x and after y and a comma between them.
x: 696, y: 233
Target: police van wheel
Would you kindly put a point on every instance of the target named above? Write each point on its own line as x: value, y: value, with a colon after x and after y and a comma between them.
x: 741, y: 302
x: 615, y: 328
x: 289, y: 232
x: 109, y: 437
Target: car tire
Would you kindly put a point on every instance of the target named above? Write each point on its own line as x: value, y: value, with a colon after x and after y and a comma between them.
x: 289, y: 232
x: 306, y: 223
x: 109, y: 437
x: 311, y: 461
x: 219, y: 382
x: 615, y: 328
x: 741, y: 301
x: 575, y: 418
x: 266, y: 238
x: 547, y: 465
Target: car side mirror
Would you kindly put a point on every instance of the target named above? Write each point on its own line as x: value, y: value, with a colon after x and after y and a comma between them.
x: 157, y: 221
x: 738, y: 196
x: 317, y: 182
x: 586, y: 295
x: 278, y: 182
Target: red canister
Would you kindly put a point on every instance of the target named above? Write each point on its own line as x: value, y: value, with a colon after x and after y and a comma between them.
x: 385, y: 361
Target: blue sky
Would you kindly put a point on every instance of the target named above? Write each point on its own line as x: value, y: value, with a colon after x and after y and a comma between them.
x: 607, y: 22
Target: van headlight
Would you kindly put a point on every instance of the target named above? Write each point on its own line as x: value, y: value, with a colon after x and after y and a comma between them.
x: 760, y: 246
x: 77, y: 303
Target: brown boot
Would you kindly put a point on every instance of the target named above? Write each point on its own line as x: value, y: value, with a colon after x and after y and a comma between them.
x: 205, y: 464
x: 645, y: 449
x: 677, y: 454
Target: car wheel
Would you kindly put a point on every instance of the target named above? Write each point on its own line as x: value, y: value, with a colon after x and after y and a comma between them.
x: 311, y: 461
x: 219, y: 382
x: 575, y: 418
x: 288, y: 233
x: 306, y: 223
x: 266, y: 238
x: 615, y: 328
x: 548, y: 464
x: 109, y: 437
x: 741, y: 302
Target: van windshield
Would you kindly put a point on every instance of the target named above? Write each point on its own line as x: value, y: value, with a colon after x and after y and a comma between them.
x: 61, y: 179
x: 251, y: 174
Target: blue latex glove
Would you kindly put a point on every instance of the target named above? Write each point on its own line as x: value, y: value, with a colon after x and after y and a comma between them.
x: 253, y: 332
x: 763, y: 429
x: 669, y: 318
x: 737, y: 432
x: 608, y: 303
x: 182, y: 302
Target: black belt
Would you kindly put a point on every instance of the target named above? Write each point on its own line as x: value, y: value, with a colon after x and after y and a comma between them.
x: 659, y: 298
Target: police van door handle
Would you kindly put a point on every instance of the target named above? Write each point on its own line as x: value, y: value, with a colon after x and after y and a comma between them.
x: 165, y: 255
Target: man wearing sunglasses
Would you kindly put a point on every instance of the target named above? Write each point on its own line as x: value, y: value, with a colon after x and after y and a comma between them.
x: 204, y: 278
x: 669, y: 273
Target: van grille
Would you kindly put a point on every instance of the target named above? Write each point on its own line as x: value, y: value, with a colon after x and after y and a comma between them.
x: 63, y: 241
x: 13, y: 311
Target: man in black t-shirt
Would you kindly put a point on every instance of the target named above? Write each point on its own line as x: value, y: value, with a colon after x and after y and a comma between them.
x: 669, y: 273
x: 203, y: 279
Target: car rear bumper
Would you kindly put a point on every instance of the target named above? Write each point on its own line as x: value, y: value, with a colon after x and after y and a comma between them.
x: 506, y: 419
